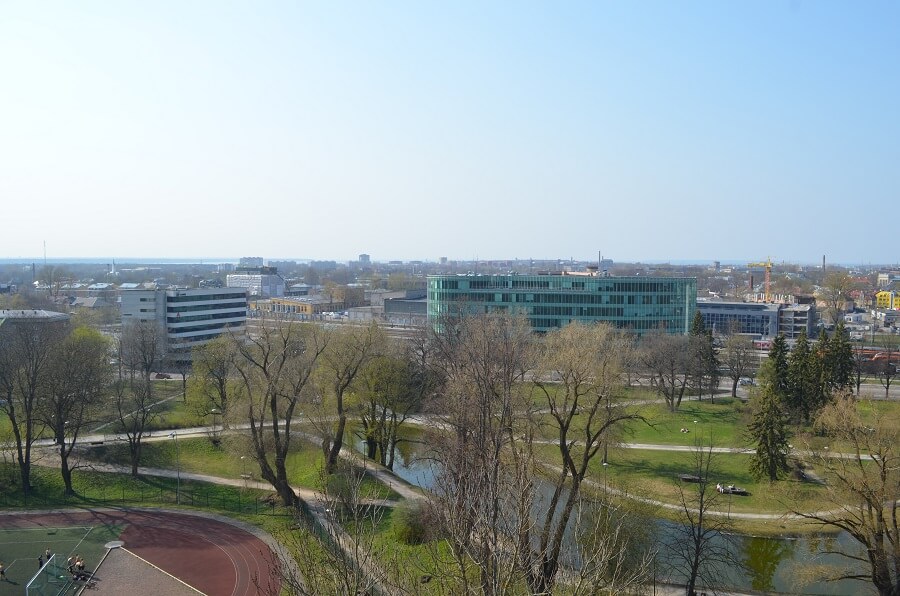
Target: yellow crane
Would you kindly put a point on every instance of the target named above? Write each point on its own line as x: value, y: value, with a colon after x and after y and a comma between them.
x: 767, y: 265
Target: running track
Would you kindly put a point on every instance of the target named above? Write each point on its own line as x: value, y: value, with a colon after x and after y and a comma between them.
x: 212, y: 556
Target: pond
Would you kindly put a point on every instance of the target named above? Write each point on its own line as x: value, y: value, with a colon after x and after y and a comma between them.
x: 766, y: 564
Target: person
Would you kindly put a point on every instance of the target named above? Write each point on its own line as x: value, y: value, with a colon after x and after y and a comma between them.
x: 80, y: 564
x: 47, y: 554
x: 40, y: 561
x: 2, y: 572
x: 70, y: 564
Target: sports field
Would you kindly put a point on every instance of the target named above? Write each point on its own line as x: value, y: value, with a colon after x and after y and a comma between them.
x: 209, y: 556
x: 21, y: 547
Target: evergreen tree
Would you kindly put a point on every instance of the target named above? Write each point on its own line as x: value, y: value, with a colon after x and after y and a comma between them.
x: 840, y: 356
x: 803, y: 380
x: 824, y: 369
x: 769, y: 429
x: 774, y: 371
x: 704, y: 363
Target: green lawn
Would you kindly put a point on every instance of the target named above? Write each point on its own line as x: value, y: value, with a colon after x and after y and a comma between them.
x: 722, y: 422
x: 202, y: 456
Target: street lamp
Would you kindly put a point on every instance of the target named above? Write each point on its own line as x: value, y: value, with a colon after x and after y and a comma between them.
x: 605, y: 466
x: 215, y: 413
x: 174, y: 437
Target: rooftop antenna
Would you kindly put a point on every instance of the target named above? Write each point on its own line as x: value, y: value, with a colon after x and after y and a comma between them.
x: 45, y: 253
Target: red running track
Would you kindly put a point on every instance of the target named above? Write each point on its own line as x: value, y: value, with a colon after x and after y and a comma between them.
x: 212, y: 556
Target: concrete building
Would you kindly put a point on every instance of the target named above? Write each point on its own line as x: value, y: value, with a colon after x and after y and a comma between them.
x: 758, y: 319
x: 261, y: 282
x: 31, y: 316
x: 301, y: 307
x: 637, y: 304
x: 187, y: 317
x: 250, y: 262
x: 750, y: 318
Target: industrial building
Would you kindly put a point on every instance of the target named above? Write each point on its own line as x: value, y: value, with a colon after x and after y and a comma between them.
x: 639, y: 305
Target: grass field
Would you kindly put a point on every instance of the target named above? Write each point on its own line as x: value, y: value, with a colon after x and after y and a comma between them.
x: 20, y: 548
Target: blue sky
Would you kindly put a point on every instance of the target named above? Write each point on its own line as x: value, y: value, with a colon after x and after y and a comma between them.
x: 650, y: 131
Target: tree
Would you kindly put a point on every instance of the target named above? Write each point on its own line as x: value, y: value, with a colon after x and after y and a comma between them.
x: 74, y: 385
x: 769, y: 430
x: 133, y: 401
x: 699, y: 547
x: 835, y: 293
x: 588, y: 361
x: 774, y: 370
x: 349, y: 350
x: 275, y: 367
x: 704, y: 365
x: 26, y: 349
x: 863, y: 490
x: 214, y: 382
x: 802, y: 397
x: 140, y: 347
x: 739, y: 359
x: 884, y: 365
x: 388, y: 396
x: 485, y: 358
x: 667, y: 359
x: 837, y: 361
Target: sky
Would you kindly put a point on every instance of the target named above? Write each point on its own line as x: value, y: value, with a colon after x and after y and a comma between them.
x: 644, y: 130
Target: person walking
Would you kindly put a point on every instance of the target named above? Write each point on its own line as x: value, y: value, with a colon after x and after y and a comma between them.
x: 40, y: 561
x: 2, y: 572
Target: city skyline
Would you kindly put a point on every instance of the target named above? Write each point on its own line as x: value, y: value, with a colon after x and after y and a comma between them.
x: 653, y: 132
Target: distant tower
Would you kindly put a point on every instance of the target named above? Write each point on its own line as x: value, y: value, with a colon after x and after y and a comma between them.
x: 365, y: 259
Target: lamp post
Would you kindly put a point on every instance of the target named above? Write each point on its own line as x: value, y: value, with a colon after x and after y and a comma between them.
x: 244, y: 470
x: 174, y: 437
x: 605, y: 486
x: 215, y: 413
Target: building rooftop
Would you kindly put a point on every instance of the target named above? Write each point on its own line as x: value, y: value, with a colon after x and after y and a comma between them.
x: 40, y: 315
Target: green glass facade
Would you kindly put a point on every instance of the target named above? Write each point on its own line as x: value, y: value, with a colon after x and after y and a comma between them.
x: 637, y: 304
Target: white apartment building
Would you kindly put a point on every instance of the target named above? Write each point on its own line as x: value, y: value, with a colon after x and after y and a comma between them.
x: 261, y: 282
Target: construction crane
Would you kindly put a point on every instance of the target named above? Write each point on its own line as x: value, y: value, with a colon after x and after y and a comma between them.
x: 767, y: 265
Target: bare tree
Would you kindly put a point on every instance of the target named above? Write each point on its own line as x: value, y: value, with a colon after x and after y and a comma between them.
x: 475, y: 494
x: 835, y: 292
x: 699, y: 546
x: 275, y: 368
x: 26, y: 349
x: 75, y: 382
x: 134, y: 404
x: 739, y: 359
x: 140, y: 347
x: 214, y: 378
x: 667, y: 359
x: 588, y: 361
x: 884, y: 365
x: 350, y: 349
x: 863, y: 491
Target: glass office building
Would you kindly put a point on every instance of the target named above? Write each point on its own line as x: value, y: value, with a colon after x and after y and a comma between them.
x: 636, y: 304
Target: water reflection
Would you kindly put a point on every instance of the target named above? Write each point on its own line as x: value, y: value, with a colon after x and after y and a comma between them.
x: 761, y: 557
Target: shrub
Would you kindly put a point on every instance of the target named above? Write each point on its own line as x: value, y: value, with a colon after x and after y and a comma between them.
x: 410, y: 522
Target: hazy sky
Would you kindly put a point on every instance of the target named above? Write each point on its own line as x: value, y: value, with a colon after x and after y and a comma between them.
x: 650, y: 131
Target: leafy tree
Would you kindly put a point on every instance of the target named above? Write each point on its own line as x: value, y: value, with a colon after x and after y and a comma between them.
x: 769, y: 430
x: 74, y: 385
x: 349, y: 350
x: 26, y: 356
